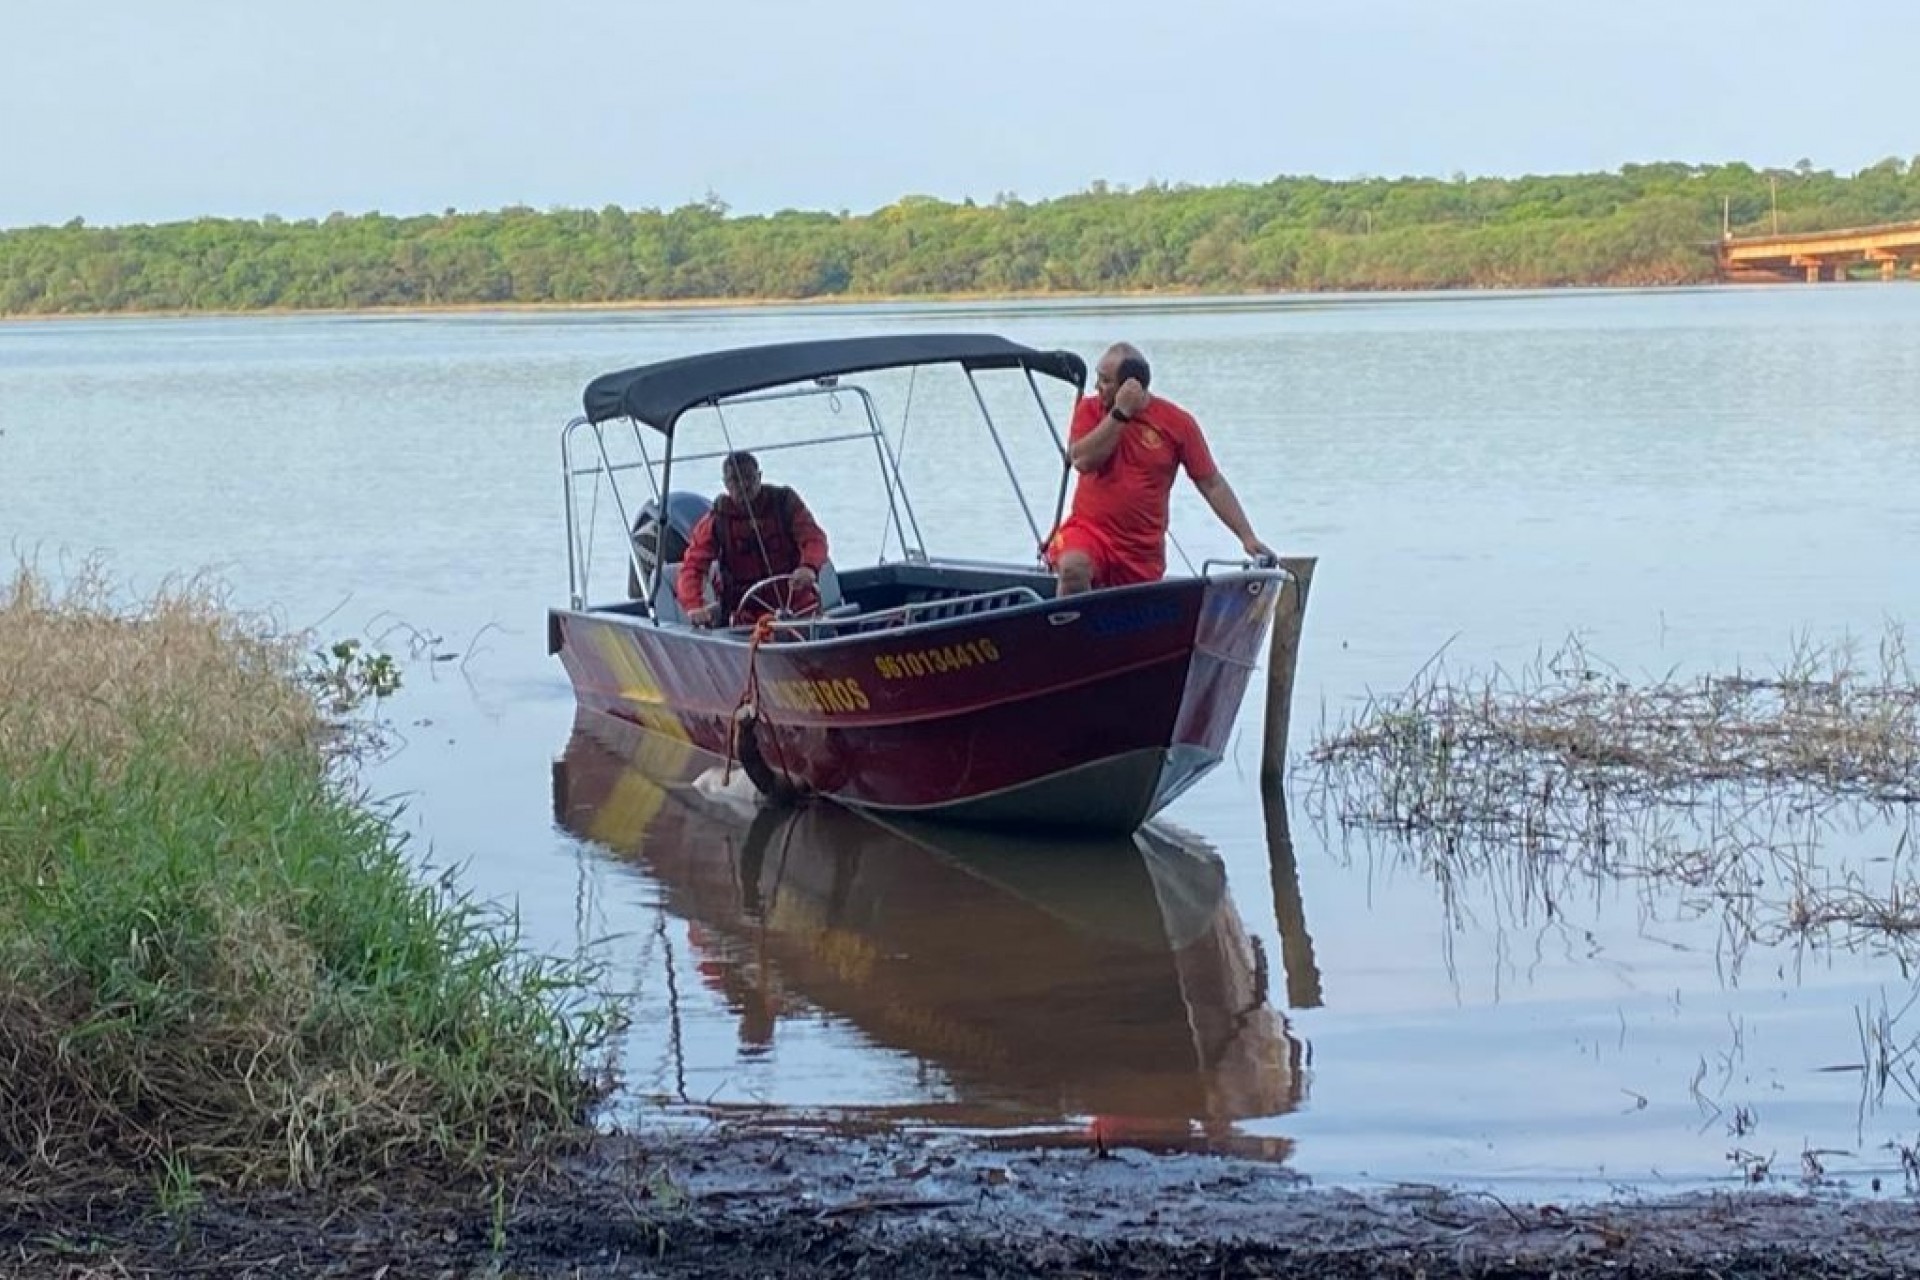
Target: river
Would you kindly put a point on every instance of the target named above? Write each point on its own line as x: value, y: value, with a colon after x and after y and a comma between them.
x: 1682, y: 481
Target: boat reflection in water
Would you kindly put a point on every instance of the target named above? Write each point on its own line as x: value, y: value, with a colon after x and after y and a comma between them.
x: 1106, y: 990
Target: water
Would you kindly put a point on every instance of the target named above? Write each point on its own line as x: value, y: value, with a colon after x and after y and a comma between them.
x: 1683, y: 480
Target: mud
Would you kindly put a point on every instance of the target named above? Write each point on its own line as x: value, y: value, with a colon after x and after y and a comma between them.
x: 806, y: 1205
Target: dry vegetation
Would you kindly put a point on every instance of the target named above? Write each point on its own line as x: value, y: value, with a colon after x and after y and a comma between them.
x: 217, y: 968
x: 78, y: 674
x: 1726, y: 785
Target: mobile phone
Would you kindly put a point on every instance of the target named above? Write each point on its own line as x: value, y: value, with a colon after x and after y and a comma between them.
x: 1134, y: 368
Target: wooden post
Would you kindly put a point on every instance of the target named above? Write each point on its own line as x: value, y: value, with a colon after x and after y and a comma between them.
x: 1283, y: 650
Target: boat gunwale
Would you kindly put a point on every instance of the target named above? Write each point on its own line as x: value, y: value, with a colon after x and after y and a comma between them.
x: 743, y: 637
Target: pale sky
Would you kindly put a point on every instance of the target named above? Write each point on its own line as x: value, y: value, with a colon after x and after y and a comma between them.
x: 123, y: 111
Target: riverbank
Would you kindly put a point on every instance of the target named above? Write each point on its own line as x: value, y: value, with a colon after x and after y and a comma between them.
x: 220, y: 969
x: 1642, y: 225
x: 242, y: 1035
x: 1167, y: 297
x: 917, y: 1207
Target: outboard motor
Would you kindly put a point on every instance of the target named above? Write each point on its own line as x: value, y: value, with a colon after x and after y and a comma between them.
x: 658, y: 541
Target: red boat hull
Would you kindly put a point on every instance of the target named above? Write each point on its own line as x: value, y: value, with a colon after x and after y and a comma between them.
x: 1091, y: 713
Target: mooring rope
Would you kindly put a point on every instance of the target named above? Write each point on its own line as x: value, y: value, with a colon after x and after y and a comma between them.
x: 749, y: 694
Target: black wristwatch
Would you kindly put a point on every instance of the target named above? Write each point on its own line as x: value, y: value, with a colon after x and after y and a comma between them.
x: 1120, y: 415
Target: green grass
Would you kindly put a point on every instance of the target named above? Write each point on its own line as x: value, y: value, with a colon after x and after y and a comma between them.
x: 217, y: 963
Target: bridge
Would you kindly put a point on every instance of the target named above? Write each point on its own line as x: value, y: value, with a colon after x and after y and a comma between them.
x: 1822, y: 255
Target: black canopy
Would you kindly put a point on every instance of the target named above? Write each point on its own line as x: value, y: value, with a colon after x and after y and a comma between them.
x: 657, y: 394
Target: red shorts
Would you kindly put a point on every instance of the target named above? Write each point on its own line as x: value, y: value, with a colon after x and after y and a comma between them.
x: 1113, y: 565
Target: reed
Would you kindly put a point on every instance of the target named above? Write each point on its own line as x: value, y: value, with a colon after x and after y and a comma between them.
x: 1822, y: 720
x: 217, y: 963
x: 1723, y: 784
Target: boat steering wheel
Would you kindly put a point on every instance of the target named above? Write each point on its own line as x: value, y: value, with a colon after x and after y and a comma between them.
x: 779, y: 596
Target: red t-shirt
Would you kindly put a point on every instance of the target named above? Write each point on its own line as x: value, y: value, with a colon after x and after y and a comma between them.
x: 1126, y: 499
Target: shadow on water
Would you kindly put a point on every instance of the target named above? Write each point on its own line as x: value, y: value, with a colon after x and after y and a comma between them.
x: 1096, y: 992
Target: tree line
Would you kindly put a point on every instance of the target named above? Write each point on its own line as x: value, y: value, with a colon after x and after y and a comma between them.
x: 1645, y: 224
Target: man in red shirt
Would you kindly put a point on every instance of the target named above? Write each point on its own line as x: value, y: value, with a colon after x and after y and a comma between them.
x: 755, y: 531
x: 1127, y: 444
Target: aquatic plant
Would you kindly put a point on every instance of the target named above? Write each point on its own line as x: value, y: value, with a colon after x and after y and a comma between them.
x: 1721, y: 783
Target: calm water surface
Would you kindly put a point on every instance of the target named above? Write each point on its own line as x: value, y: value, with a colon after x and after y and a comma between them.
x: 1683, y: 480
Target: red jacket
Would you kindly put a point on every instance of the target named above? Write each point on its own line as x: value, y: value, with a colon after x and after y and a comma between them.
x: 776, y: 537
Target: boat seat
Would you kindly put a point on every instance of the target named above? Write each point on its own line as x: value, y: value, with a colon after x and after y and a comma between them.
x: 832, y: 603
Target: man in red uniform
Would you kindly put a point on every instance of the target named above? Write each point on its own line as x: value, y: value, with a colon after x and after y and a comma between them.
x: 1127, y: 444
x: 754, y: 531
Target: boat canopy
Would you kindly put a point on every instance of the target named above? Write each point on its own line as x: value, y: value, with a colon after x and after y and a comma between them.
x: 657, y: 394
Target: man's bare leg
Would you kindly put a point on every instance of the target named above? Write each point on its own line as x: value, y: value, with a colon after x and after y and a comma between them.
x: 1075, y: 574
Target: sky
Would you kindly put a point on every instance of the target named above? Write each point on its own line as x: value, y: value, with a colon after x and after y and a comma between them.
x: 130, y: 111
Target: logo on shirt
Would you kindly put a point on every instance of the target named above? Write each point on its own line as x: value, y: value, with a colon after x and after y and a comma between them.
x: 1150, y: 438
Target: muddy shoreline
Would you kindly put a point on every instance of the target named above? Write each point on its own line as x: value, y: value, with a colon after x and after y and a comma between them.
x: 758, y: 1203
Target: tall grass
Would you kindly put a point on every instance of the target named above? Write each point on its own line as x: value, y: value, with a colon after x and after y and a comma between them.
x: 212, y: 957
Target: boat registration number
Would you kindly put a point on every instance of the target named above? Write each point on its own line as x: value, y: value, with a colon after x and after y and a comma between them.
x: 918, y: 663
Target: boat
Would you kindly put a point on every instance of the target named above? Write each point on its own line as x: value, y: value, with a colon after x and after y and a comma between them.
x: 920, y: 683
x: 1110, y: 982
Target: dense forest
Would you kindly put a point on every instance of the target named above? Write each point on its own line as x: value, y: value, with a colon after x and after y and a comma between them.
x: 1646, y: 224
